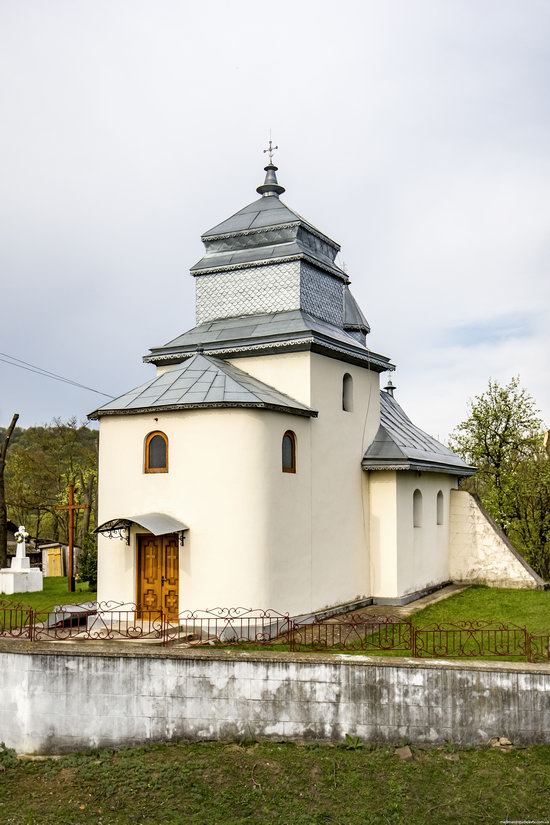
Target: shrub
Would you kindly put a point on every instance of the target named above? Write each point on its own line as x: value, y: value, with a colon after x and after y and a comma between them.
x: 87, y: 562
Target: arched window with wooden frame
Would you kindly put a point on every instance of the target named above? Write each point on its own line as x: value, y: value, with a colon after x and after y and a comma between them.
x: 289, y: 452
x: 156, y: 453
x: 347, y: 393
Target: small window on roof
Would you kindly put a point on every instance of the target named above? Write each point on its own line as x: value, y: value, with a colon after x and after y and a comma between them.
x: 289, y: 452
x: 156, y: 453
x: 347, y: 393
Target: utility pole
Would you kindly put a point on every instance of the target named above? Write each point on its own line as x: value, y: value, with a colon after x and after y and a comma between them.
x: 71, y: 507
x: 3, y: 507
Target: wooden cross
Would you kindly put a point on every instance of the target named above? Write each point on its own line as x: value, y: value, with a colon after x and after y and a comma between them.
x: 71, y: 507
x: 270, y: 151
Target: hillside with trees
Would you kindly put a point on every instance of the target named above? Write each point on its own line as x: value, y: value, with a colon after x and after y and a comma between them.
x: 41, y: 463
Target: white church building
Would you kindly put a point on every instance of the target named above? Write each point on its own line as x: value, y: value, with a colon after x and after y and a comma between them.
x: 263, y: 466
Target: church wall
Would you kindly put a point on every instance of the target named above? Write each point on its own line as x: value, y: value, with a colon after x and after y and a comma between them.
x: 221, y: 467
x: 289, y: 372
x: 340, y: 559
x: 330, y: 526
x: 423, y: 552
x: 383, y: 533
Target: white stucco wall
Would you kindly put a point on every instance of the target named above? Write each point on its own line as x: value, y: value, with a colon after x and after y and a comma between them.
x: 478, y: 553
x: 219, y: 461
x: 423, y: 551
x: 405, y: 558
x: 258, y: 537
x: 338, y: 509
x: 382, y: 498
x: 289, y: 372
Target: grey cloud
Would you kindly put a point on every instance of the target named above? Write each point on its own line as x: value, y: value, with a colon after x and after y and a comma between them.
x: 415, y: 133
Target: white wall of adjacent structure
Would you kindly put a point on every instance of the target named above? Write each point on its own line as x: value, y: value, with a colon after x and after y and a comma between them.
x: 423, y: 550
x: 406, y: 558
x: 258, y: 537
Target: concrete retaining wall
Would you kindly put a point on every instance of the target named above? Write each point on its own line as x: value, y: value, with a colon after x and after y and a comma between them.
x: 479, y: 552
x: 56, y: 698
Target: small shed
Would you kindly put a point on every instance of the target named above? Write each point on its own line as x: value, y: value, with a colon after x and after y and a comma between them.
x: 55, y: 558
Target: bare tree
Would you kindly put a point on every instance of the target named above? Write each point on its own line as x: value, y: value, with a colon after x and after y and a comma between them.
x: 3, y: 508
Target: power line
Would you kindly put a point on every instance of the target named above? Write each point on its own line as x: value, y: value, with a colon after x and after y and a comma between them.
x: 24, y: 365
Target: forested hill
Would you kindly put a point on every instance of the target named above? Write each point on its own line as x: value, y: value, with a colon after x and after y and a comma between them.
x: 41, y: 463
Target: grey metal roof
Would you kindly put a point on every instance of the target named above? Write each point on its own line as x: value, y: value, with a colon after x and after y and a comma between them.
x: 202, y: 381
x: 159, y: 524
x: 400, y: 445
x: 259, y: 214
x: 239, y: 258
x: 271, y: 331
x: 353, y: 317
x: 263, y: 232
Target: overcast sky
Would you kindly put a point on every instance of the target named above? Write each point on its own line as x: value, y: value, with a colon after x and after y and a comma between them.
x: 415, y: 133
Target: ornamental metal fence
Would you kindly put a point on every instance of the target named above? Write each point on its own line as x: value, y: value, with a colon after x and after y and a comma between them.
x: 356, y: 633
x: 359, y: 633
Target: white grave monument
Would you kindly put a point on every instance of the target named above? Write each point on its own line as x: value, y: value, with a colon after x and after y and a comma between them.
x: 20, y: 577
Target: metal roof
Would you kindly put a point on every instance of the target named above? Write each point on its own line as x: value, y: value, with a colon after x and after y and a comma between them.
x: 260, y: 214
x: 353, y: 316
x: 159, y: 524
x: 202, y: 381
x: 400, y: 445
x: 263, y: 232
x: 270, y: 331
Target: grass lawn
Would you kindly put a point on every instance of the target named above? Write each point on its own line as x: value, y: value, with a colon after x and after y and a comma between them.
x: 55, y: 592
x: 279, y: 784
x: 526, y: 608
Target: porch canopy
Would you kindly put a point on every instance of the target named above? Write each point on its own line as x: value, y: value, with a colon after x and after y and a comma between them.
x: 159, y: 524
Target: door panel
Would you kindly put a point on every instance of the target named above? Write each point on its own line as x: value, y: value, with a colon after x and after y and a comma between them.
x: 158, y: 574
x: 170, y: 589
x: 150, y: 573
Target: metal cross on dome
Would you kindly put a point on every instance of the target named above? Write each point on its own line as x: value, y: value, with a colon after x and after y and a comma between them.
x: 270, y: 151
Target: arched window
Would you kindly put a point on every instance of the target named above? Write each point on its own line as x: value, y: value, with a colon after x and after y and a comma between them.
x: 289, y: 452
x: 156, y: 453
x: 440, y: 507
x: 347, y: 393
x: 417, y: 508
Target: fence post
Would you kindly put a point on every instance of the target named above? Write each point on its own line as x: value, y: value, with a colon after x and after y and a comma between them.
x: 291, y: 634
x: 413, y: 639
x: 164, y: 628
x: 31, y: 624
x: 528, y: 645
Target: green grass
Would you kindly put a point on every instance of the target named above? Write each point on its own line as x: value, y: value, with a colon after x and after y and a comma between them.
x: 55, y: 592
x: 279, y: 784
x: 526, y: 608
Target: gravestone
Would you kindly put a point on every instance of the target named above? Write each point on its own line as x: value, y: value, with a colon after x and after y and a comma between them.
x: 20, y: 577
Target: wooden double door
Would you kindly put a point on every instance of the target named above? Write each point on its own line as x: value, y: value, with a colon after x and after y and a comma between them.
x: 158, y: 574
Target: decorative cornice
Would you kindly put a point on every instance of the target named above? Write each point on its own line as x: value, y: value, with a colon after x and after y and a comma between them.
x: 302, y: 256
x: 207, y: 405
x: 419, y: 467
x: 257, y: 231
x: 272, y: 227
x: 368, y: 358
x: 148, y: 359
